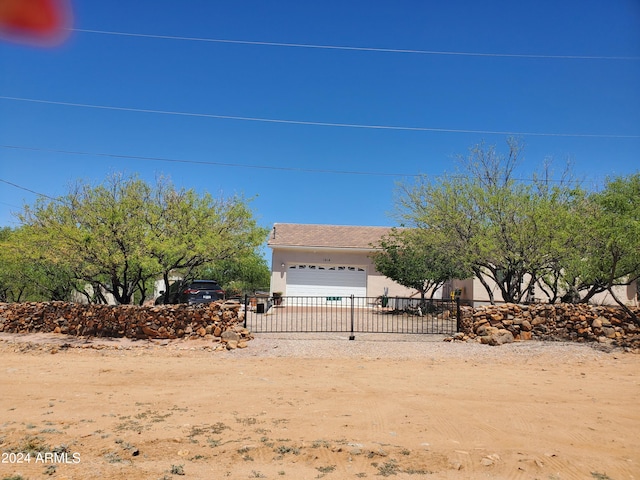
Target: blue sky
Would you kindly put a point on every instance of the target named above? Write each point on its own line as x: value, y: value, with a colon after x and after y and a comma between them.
x: 583, y: 109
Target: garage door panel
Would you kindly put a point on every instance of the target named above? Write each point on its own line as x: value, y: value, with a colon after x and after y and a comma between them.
x: 315, y: 280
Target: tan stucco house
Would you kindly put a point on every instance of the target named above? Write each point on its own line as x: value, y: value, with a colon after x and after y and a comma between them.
x: 334, y: 260
x: 328, y: 260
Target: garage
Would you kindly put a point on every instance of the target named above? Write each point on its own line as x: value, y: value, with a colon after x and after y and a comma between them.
x: 304, y: 280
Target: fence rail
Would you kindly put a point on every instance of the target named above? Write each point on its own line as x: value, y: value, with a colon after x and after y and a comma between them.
x: 350, y: 314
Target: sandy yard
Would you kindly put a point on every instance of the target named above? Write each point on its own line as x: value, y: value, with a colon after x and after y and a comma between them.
x: 320, y: 407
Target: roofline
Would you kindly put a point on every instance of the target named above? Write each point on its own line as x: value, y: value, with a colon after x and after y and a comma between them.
x: 333, y: 225
x: 325, y: 248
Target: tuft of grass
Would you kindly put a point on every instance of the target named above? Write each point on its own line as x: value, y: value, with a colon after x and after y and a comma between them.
x: 113, y: 457
x: 247, y: 421
x: 128, y: 447
x: 327, y: 469
x: 284, y: 449
x: 31, y: 445
x: 157, y: 418
x: 215, y: 429
x: 177, y: 469
x: 129, y: 425
x: 50, y: 470
x: 62, y: 448
x: 213, y: 443
x: 600, y: 476
x: 413, y: 471
x: 267, y: 442
x: 218, y: 428
x: 154, y: 417
x: 388, y: 468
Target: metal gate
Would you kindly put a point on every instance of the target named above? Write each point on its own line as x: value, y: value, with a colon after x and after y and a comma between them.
x: 351, y: 315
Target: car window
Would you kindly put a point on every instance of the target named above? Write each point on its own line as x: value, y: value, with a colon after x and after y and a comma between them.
x: 205, y: 286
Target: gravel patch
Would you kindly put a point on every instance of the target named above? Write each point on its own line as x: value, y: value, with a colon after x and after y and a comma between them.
x: 321, y: 345
x: 394, y: 346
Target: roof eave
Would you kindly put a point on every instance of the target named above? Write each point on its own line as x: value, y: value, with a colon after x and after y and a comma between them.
x: 325, y: 248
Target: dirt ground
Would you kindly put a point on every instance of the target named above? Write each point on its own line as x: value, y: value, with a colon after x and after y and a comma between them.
x: 456, y: 411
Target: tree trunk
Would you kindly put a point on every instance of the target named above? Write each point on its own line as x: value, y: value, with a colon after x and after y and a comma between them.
x: 478, y: 274
x: 595, y: 288
x: 165, y: 295
x: 627, y: 310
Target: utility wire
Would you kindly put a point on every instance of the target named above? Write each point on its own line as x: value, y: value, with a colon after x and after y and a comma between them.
x: 204, y: 162
x: 313, y: 123
x: 20, y: 187
x: 243, y: 166
x: 9, y: 205
x: 359, y: 49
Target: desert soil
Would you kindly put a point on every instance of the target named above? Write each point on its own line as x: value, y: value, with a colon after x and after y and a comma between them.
x: 316, y: 407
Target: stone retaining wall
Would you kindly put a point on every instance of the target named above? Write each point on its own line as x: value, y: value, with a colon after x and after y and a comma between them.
x: 216, y: 321
x: 496, y: 324
x: 222, y: 321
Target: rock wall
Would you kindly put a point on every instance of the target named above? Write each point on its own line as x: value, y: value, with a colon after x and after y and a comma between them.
x: 496, y: 324
x: 218, y: 320
x: 222, y: 321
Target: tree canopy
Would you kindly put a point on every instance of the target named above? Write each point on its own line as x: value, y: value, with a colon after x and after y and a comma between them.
x: 516, y: 234
x: 121, y: 235
x: 419, y: 260
x: 608, y: 240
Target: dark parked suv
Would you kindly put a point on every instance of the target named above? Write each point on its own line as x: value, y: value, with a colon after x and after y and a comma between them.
x: 194, y: 292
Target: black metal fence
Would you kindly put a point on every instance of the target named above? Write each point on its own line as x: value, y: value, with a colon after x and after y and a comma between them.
x: 350, y: 314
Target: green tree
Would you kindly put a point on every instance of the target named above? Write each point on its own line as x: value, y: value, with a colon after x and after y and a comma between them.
x: 120, y: 235
x: 240, y: 274
x: 189, y: 232
x: 13, y: 285
x: 419, y: 260
x: 608, y: 252
x: 98, y: 233
x: 503, y: 228
x: 554, y: 226
x: 26, y: 274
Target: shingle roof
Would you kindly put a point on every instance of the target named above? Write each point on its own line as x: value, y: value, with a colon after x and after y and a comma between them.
x: 325, y: 236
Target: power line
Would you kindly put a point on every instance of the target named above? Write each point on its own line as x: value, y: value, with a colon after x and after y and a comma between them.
x: 204, y: 162
x: 20, y: 187
x: 239, y: 165
x: 9, y: 205
x: 359, y: 49
x: 317, y: 124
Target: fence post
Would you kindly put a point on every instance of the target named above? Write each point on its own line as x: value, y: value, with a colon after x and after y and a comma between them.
x: 352, y: 336
x: 246, y: 309
x: 458, y: 315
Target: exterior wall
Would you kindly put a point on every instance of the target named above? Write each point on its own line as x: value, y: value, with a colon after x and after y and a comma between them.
x: 466, y: 288
x: 158, y: 285
x: 281, y: 258
x: 77, y: 297
x: 473, y: 290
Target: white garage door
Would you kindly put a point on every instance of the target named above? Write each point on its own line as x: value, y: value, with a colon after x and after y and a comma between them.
x: 326, y: 281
